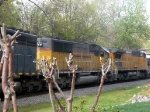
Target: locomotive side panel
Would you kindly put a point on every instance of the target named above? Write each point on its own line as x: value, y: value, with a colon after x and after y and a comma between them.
x: 127, y: 60
x: 60, y: 50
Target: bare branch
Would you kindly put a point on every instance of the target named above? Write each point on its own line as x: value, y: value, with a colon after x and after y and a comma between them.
x: 1, y: 43
x: 1, y: 64
x: 73, y: 68
x: 47, y: 73
x: 61, y: 108
x: 59, y: 89
x: 15, y: 35
x: 3, y: 32
x: 107, y: 68
x: 104, y: 72
x: 53, y: 67
x: 51, y: 94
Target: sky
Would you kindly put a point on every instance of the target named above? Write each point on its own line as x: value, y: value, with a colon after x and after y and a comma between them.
x: 148, y: 6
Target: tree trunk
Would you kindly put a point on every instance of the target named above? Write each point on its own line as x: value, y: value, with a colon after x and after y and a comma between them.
x: 1, y: 64
x: 7, y: 84
x: 70, y: 100
x: 5, y: 87
x: 51, y: 94
x: 12, y: 83
x: 0, y: 106
x: 98, y: 94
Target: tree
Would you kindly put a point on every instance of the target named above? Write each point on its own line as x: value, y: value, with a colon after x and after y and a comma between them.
x: 125, y: 23
x: 105, y: 22
x: 69, y: 19
x: 133, y: 26
x: 8, y: 85
x: 9, y: 14
x: 1, y: 1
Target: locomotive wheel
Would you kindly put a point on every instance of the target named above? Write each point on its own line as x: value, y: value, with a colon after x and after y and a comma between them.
x: 106, y: 79
x: 30, y: 88
x: 62, y: 83
x: 143, y: 75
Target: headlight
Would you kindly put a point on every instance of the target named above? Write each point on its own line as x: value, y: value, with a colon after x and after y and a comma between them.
x: 39, y: 44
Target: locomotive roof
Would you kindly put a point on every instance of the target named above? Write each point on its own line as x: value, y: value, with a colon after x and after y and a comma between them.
x: 12, y: 30
x: 52, y: 37
x: 103, y: 48
x: 62, y: 40
x: 24, y: 34
x: 113, y: 50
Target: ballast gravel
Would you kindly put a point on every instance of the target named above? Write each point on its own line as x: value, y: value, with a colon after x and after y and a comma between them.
x: 78, y: 92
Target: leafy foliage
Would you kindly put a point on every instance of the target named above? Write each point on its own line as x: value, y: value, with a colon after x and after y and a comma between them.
x: 132, y: 27
x: 9, y: 14
x: 110, y: 23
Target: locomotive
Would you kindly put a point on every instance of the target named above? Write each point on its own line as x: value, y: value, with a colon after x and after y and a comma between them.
x: 24, y: 54
x: 125, y: 65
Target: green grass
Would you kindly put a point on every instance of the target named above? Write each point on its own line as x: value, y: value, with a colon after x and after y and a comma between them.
x: 137, y: 107
x: 107, y: 99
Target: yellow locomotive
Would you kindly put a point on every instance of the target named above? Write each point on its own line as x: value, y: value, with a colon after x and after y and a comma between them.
x: 126, y: 64
x: 86, y: 56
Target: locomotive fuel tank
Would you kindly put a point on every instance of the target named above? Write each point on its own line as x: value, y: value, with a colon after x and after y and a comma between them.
x: 87, y: 80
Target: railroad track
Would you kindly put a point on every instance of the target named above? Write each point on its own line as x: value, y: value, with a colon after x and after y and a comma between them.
x: 38, y: 97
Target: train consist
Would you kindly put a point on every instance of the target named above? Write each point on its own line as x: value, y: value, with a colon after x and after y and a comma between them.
x: 126, y: 64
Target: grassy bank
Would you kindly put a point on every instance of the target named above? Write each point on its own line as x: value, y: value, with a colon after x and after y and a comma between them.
x: 137, y: 107
x: 112, y: 98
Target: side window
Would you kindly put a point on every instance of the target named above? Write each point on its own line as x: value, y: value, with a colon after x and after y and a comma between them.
x: 102, y: 53
x: 118, y: 56
x: 106, y: 55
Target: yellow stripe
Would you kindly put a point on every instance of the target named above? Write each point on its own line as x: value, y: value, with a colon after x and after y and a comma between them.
x: 44, y: 54
x: 20, y: 73
x: 27, y: 73
x: 33, y: 73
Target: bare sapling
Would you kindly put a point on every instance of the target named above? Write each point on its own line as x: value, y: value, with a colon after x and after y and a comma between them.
x: 105, y: 68
x: 73, y: 68
x: 8, y: 85
x: 69, y: 100
x: 49, y: 74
